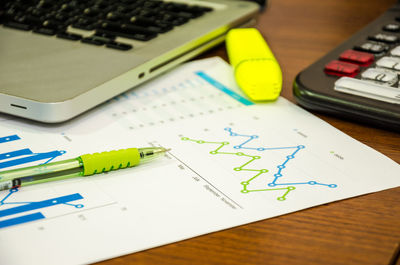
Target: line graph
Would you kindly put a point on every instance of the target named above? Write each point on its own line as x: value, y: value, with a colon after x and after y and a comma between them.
x: 278, y: 182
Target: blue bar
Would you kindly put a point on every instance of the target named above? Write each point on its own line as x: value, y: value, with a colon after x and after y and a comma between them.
x: 9, y: 138
x: 41, y: 204
x: 31, y: 158
x: 12, y: 154
x: 21, y: 219
x: 224, y: 89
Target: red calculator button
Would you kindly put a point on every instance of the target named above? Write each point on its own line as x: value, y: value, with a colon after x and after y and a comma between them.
x: 339, y: 68
x: 360, y: 58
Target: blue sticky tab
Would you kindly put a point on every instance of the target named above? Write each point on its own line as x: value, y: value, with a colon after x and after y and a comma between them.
x: 224, y: 89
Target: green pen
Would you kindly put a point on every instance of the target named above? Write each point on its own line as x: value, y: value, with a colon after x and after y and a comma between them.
x: 84, y: 165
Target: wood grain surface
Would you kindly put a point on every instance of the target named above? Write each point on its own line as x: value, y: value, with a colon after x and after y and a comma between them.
x: 361, y: 230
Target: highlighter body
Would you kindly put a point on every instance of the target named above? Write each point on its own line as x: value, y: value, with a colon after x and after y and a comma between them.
x: 256, y: 70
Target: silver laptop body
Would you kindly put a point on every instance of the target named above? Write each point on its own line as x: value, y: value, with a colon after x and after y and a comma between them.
x: 51, y: 80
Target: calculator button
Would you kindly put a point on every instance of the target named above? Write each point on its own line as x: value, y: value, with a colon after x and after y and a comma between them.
x: 392, y: 63
x: 372, y: 47
x: 392, y: 27
x: 380, y: 76
x: 360, y: 58
x: 368, y: 90
x: 339, y: 68
x: 395, y: 51
x: 387, y: 38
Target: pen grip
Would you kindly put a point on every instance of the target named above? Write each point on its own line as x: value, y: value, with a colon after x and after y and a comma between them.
x: 107, y: 161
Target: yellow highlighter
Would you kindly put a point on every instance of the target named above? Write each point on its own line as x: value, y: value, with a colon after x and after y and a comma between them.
x: 256, y: 70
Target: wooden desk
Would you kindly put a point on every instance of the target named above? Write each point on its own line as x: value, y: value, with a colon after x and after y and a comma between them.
x: 363, y: 230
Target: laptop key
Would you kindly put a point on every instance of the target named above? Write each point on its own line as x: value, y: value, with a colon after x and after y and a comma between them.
x: 60, y: 16
x: 84, y: 23
x: 52, y: 24
x: 45, y: 4
x: 170, y: 18
x: 143, y: 37
x: 152, y: 25
x: 31, y: 20
x: 67, y: 7
x: 69, y: 36
x: 176, y: 7
x: 179, y: 21
x: 37, y: 12
x: 91, y: 12
x: 199, y: 9
x: 152, y: 4
x: 45, y: 31
x: 119, y: 46
x: 143, y: 21
x: 127, y: 31
x: 94, y: 41
x: 17, y: 25
x: 180, y: 14
x: 114, y: 16
x: 105, y: 35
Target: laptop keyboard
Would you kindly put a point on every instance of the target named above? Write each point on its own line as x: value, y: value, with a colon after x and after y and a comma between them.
x: 106, y: 19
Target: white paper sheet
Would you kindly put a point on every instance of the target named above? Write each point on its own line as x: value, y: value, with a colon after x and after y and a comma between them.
x: 231, y: 162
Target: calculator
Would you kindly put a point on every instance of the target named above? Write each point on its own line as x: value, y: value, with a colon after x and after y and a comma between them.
x: 359, y: 79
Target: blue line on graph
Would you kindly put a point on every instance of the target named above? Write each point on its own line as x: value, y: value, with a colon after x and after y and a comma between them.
x: 32, y: 158
x: 42, y: 204
x: 12, y: 154
x: 30, y: 206
x: 25, y: 155
x: 21, y: 219
x: 224, y: 89
x: 280, y: 167
x: 11, y: 191
x: 9, y: 138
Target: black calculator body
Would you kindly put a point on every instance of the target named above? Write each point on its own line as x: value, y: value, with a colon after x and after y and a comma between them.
x: 360, y: 78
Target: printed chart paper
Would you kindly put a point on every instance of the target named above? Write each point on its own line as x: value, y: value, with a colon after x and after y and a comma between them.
x: 231, y: 162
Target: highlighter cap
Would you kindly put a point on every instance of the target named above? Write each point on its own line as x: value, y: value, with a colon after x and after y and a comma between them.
x: 256, y: 70
x: 261, y: 79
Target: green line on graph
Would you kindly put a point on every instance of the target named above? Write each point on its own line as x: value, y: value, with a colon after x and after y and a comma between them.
x: 243, y: 167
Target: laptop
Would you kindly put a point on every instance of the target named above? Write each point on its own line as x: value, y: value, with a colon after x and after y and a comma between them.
x: 62, y: 58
